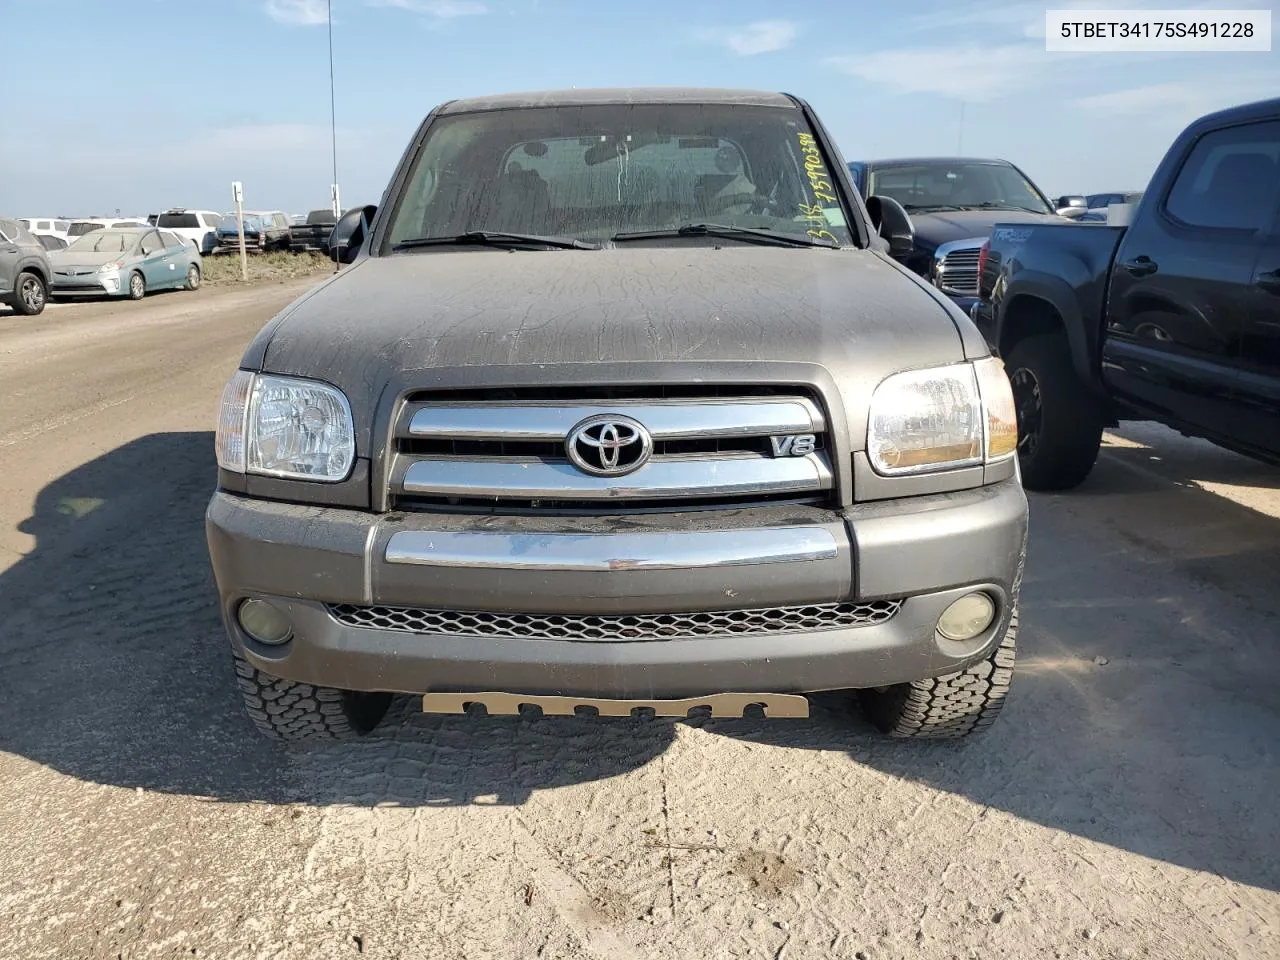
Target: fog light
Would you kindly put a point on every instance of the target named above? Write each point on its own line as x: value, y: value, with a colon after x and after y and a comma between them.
x: 967, y: 617
x: 263, y: 622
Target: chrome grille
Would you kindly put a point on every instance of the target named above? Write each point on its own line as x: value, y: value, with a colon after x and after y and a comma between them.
x: 591, y: 627
x: 510, y: 452
x: 956, y: 270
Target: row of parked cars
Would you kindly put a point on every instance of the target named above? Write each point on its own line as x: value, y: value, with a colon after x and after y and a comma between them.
x: 48, y: 257
x: 122, y: 259
x: 207, y: 231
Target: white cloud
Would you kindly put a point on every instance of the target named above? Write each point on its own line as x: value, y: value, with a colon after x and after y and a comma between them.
x: 1183, y: 100
x: 762, y: 36
x: 970, y: 73
x: 440, y: 9
x: 299, y: 12
x: 1139, y: 99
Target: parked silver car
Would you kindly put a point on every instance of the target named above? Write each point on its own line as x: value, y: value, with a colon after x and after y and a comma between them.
x: 125, y: 262
x: 24, y: 269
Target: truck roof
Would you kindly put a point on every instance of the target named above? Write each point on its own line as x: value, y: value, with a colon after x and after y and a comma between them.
x: 618, y: 95
x: 1244, y: 111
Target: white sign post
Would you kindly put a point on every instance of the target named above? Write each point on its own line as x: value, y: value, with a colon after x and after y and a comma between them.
x: 237, y: 194
x: 337, y: 203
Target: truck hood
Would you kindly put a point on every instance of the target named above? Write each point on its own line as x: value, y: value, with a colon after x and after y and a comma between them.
x: 934, y: 229
x: 416, y: 318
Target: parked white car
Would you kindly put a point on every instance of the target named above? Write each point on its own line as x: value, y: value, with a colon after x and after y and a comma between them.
x: 197, y: 227
x: 78, y: 228
x: 46, y: 226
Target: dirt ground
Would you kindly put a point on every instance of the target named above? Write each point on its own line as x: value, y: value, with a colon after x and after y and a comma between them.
x: 1126, y: 804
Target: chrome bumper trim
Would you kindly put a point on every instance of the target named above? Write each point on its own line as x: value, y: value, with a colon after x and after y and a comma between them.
x: 665, y: 420
x: 775, y: 705
x: 684, y: 550
x: 660, y: 478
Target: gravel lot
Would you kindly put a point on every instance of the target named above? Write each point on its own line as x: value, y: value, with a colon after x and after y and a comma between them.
x: 1126, y: 804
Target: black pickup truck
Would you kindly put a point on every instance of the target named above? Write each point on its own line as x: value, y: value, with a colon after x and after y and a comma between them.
x: 1174, y: 318
x: 314, y: 233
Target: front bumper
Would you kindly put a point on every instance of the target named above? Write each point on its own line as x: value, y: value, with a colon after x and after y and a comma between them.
x: 924, y: 551
x: 87, y: 285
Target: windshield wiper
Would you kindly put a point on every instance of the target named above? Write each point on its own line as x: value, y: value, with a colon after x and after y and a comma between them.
x: 749, y: 234
x: 497, y: 238
x: 993, y: 205
x: 930, y: 207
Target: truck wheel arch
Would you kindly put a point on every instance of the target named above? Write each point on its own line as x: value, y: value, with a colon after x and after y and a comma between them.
x: 1027, y: 311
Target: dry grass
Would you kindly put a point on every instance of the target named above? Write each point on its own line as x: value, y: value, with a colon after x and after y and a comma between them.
x: 225, y: 268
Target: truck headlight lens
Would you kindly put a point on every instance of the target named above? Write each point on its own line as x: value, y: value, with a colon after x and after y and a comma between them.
x: 998, y: 405
x: 229, y: 440
x: 285, y: 427
x: 924, y: 420
x: 942, y: 418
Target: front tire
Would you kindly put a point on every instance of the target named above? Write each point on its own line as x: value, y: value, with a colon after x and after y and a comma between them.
x: 949, y: 707
x: 288, y: 710
x: 1059, y: 419
x: 193, y: 277
x: 31, y: 294
x: 137, y: 287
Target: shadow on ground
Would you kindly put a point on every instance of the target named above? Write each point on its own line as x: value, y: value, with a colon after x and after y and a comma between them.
x: 1144, y: 712
x: 115, y: 671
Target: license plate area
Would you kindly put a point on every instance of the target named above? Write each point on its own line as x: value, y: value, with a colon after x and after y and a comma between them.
x: 734, y: 705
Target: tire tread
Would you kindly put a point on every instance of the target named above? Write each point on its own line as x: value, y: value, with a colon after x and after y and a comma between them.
x: 287, y: 710
x: 951, y: 706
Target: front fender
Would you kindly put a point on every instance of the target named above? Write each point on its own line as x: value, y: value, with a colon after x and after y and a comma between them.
x: 1058, y: 295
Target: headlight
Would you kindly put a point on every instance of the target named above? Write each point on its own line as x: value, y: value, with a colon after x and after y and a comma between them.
x: 112, y: 267
x: 285, y: 427
x: 942, y: 418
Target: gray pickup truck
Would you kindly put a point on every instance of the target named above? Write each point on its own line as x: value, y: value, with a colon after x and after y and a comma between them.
x: 622, y: 405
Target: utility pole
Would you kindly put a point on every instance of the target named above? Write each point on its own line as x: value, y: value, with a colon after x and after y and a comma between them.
x: 333, y: 118
x: 237, y: 193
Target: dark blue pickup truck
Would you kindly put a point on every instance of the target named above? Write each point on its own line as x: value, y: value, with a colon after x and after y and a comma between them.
x: 1174, y: 318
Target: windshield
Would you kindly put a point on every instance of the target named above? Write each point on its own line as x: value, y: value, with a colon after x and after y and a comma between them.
x: 924, y: 186
x: 79, y: 229
x: 180, y: 220
x: 595, y: 171
x: 106, y: 241
x: 229, y: 223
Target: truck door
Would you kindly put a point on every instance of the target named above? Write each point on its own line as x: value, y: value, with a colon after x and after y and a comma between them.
x: 1183, y: 281
x: 1260, y: 349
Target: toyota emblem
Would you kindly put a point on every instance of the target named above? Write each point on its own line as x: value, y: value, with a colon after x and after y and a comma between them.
x: 609, y: 445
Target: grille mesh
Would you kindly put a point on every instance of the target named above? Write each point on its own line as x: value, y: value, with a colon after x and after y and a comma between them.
x: 648, y: 626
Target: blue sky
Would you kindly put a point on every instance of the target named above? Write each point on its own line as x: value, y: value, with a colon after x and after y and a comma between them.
x: 140, y: 104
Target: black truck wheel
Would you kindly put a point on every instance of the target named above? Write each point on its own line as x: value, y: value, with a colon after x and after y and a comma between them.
x: 948, y: 707
x: 287, y: 710
x: 1059, y: 421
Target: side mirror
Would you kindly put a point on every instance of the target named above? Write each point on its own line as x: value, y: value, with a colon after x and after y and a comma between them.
x: 893, y: 224
x: 347, y: 236
x: 1071, y: 205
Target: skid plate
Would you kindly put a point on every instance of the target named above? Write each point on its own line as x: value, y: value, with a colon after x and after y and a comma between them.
x: 720, y: 704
